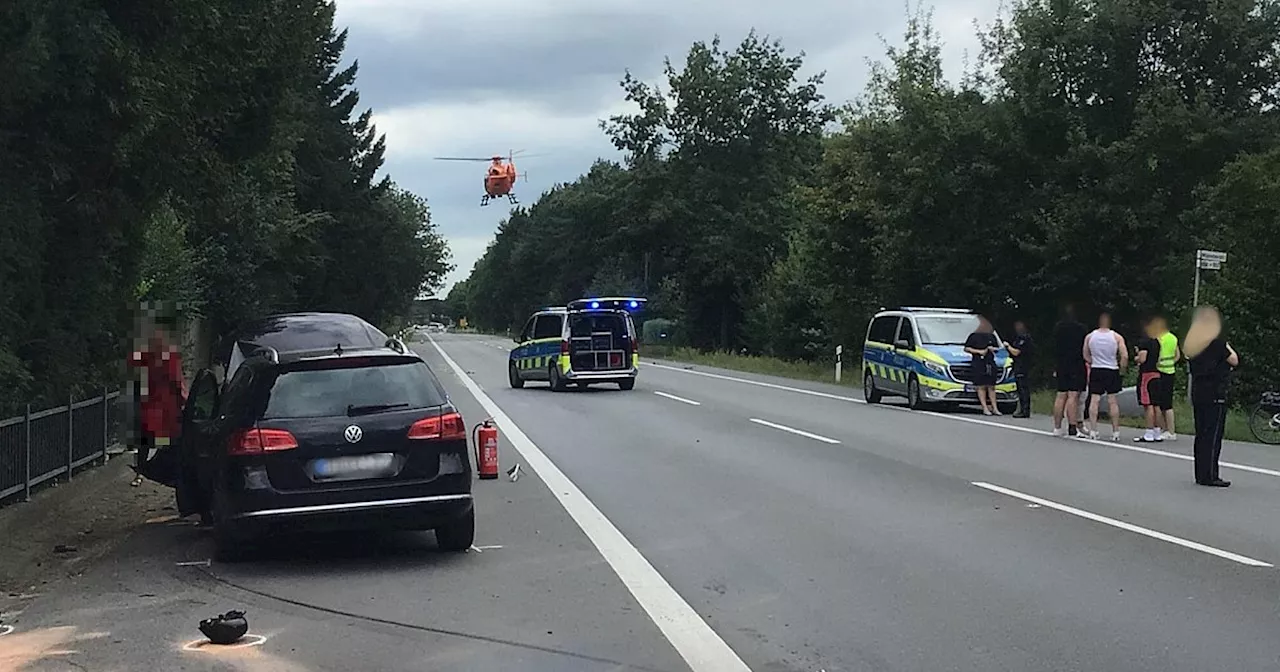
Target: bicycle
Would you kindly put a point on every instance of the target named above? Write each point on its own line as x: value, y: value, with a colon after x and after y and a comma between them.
x: 1264, y: 421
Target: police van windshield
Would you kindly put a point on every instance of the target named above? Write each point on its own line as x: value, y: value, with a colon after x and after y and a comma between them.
x: 946, y: 329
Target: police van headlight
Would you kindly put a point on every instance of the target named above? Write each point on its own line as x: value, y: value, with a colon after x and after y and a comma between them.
x: 935, y: 367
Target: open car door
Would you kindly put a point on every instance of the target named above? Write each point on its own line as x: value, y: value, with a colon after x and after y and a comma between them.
x: 165, y: 464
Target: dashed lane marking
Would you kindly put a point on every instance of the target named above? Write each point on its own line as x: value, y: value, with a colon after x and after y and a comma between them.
x: 976, y: 421
x: 679, y: 399
x: 801, y: 432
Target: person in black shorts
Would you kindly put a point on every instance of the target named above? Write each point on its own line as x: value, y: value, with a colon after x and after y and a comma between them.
x: 1068, y: 371
x: 1147, y: 356
x: 982, y: 346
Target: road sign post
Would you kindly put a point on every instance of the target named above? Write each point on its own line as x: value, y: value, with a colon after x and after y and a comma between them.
x: 839, y: 354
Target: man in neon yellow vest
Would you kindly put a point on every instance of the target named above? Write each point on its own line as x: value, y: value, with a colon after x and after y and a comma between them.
x: 1170, y: 355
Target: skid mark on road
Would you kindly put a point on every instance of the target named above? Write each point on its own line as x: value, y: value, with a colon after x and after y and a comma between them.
x: 975, y: 421
x: 1128, y: 527
x: 691, y: 637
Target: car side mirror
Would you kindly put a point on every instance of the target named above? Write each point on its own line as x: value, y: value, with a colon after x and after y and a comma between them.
x: 902, y: 344
x: 517, y: 339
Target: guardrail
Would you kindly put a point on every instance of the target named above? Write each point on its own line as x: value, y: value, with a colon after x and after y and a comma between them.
x: 42, y: 445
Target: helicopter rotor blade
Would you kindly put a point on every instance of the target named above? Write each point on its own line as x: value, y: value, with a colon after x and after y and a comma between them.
x: 462, y: 158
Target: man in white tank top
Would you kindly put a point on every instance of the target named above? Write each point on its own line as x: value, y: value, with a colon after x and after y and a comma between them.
x: 1107, y: 356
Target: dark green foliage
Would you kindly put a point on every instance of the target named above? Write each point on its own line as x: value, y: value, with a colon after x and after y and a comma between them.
x: 1092, y: 148
x: 208, y: 153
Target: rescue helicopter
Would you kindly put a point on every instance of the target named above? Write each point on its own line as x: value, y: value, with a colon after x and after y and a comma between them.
x: 500, y: 178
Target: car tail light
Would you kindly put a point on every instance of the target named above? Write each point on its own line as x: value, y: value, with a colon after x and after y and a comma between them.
x: 635, y: 345
x: 260, y: 441
x: 564, y: 347
x: 446, y: 427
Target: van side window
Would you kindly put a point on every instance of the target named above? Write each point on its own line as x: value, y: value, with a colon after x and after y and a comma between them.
x: 547, y: 326
x: 906, y: 333
x: 527, y: 332
x: 883, y: 329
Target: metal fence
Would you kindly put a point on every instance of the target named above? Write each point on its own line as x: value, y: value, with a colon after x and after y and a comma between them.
x: 41, y: 445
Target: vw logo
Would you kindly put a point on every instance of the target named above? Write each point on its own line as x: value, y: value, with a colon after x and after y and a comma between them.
x: 353, y: 434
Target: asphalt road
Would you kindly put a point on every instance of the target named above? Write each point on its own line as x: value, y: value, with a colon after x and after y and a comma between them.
x: 712, y: 520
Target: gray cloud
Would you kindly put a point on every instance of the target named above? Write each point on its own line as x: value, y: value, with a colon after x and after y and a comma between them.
x: 449, y: 77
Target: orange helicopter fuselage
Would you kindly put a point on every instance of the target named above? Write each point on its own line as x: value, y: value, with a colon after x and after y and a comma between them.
x: 500, y: 178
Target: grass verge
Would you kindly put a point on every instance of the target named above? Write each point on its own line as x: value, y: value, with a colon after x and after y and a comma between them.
x: 1041, y: 400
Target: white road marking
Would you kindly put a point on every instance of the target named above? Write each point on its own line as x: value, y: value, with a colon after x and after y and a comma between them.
x: 680, y: 399
x: 793, y: 430
x: 692, y: 638
x: 194, y: 563
x: 977, y: 421
x: 754, y: 382
x: 1126, y: 526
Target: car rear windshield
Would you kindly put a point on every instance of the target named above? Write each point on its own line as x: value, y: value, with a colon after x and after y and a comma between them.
x: 585, y: 324
x: 352, y: 391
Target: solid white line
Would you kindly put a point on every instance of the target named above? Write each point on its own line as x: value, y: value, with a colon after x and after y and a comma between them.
x: 681, y: 399
x: 793, y: 430
x: 1126, y: 526
x: 976, y: 421
x: 692, y: 638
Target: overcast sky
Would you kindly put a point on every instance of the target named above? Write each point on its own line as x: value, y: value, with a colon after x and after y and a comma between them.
x: 475, y: 77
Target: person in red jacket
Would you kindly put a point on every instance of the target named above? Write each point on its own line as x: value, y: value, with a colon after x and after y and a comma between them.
x: 161, y: 392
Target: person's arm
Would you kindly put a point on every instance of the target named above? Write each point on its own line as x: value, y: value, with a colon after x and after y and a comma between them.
x: 969, y: 349
x: 1177, y: 354
x: 1124, y: 352
x: 1016, y: 352
x: 1141, y: 357
x: 1232, y: 358
x: 1084, y: 350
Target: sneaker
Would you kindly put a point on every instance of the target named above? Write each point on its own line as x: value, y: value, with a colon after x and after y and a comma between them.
x: 1071, y: 430
x: 1059, y: 432
x: 1147, y: 437
x: 1115, y: 437
x: 986, y: 412
x: 1168, y: 436
x: 1088, y: 434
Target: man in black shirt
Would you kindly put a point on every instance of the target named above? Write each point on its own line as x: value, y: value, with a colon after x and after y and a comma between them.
x: 1148, y: 358
x: 1069, y: 371
x: 1022, y: 348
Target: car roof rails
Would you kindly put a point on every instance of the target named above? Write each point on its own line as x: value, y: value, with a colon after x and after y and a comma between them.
x: 926, y: 309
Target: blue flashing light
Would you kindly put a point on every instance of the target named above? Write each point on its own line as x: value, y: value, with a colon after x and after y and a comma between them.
x: 633, y: 304
x: 595, y: 304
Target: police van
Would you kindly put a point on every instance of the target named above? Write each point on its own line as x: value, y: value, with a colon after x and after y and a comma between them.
x: 918, y: 353
x: 589, y: 341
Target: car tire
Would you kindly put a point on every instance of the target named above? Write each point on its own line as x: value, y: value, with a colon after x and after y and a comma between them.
x: 553, y: 375
x: 628, y: 384
x: 458, y: 535
x: 513, y: 376
x: 1007, y: 408
x: 914, y: 402
x: 869, y: 391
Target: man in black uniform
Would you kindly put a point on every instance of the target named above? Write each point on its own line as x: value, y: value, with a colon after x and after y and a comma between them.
x: 1021, y: 348
x: 1069, y: 371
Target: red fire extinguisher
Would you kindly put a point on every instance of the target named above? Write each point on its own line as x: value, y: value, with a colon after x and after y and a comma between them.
x: 485, y: 438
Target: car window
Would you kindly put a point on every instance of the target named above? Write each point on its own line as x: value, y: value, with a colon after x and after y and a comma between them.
x: 906, y: 333
x: 237, y: 389
x: 203, y: 399
x: 547, y: 326
x: 526, y: 333
x: 318, y: 393
x: 883, y: 329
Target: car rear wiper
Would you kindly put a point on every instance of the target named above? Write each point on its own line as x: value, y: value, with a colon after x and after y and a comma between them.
x: 372, y: 408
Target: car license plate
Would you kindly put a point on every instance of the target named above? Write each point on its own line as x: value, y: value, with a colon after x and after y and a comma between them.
x: 969, y: 388
x: 374, y: 465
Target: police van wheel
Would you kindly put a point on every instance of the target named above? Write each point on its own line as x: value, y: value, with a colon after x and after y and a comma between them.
x: 553, y: 375
x: 513, y: 377
x: 628, y: 384
x: 1008, y: 408
x: 869, y: 391
x: 914, y: 402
